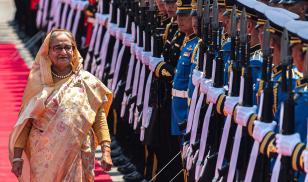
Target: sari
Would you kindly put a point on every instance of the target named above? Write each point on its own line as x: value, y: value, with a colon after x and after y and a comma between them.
x: 61, y: 144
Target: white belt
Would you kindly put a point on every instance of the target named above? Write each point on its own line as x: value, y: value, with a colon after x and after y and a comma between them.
x: 179, y: 93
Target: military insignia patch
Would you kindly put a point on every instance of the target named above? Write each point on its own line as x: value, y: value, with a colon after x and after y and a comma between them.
x: 186, y: 54
x: 190, y: 48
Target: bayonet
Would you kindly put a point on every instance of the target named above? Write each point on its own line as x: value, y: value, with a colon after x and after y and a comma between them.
x: 284, y: 58
x: 205, y: 21
x: 207, y: 67
x: 199, y: 8
x: 206, y: 16
x: 243, y: 27
x: 306, y: 67
x: 285, y: 51
x: 233, y: 22
x: 215, y: 23
x: 243, y: 37
x: 266, y: 53
x: 266, y: 40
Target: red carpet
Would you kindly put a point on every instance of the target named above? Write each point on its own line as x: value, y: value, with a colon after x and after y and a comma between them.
x: 13, y: 78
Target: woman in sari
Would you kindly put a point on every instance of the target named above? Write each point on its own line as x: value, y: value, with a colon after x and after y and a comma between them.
x: 62, y: 118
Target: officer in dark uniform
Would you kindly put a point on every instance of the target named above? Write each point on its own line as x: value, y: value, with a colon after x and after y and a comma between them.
x: 158, y: 133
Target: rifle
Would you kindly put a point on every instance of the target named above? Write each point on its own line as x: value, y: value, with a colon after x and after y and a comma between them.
x: 262, y: 171
x: 216, y: 120
x: 230, y: 126
x: 241, y: 141
x: 205, y: 46
x: 286, y: 172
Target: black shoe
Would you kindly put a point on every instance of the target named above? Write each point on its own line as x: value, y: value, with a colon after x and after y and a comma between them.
x: 115, y: 147
x: 133, y: 177
x: 128, y: 169
x: 114, y: 144
x: 116, y: 152
x: 125, y: 165
x: 120, y: 160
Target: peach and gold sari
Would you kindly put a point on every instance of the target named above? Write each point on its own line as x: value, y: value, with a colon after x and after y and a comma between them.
x: 61, y: 144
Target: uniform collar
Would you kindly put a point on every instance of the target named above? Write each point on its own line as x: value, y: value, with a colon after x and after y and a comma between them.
x: 191, y: 36
x: 254, y: 49
x: 302, y: 82
x: 278, y: 68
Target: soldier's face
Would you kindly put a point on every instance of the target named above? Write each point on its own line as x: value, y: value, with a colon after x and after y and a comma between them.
x: 185, y: 23
x: 160, y: 5
x: 195, y: 24
x: 171, y: 9
x: 298, y: 57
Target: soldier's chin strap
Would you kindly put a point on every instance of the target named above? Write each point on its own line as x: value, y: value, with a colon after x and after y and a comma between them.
x: 154, y: 177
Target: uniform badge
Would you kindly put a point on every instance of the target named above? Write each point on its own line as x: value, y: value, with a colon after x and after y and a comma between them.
x: 186, y: 54
x: 190, y: 48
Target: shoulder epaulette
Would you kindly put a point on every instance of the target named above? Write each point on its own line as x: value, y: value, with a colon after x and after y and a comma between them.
x: 195, y: 52
x: 302, y: 83
x: 166, y: 32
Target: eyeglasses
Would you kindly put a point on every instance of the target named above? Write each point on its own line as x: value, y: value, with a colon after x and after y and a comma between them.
x: 59, y: 48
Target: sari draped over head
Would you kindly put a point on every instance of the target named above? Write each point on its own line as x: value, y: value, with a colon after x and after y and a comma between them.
x: 61, y: 144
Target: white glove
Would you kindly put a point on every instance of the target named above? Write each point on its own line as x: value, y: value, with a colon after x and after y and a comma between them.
x: 82, y: 5
x: 205, y: 84
x: 196, y: 77
x: 127, y: 39
x: 112, y: 28
x: 305, y: 156
x: 154, y: 61
x: 119, y: 33
x: 214, y: 93
x: 261, y: 129
x: 243, y: 114
x: 146, y: 57
x: 230, y: 104
x: 139, y: 51
x: 285, y: 144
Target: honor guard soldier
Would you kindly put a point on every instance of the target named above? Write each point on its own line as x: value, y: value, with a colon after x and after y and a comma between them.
x: 162, y: 13
x: 255, y: 47
x: 183, y: 68
x: 277, y: 22
x: 172, y: 38
x: 294, y: 145
x: 278, y: 19
x: 160, y: 101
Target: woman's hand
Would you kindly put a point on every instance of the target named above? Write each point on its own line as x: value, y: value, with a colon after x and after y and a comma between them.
x: 17, y: 168
x: 17, y: 162
x: 106, y: 161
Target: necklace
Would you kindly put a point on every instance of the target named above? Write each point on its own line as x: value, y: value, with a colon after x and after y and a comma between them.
x: 60, y: 76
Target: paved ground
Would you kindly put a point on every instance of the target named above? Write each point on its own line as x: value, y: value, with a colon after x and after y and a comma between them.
x: 7, y: 10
